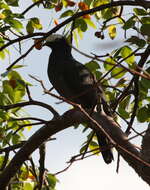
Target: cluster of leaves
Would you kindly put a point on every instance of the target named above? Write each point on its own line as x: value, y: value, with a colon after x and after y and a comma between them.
x: 12, y: 92
x: 117, y: 65
x: 137, y: 100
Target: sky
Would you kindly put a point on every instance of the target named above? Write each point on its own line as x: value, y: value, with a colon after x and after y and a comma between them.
x: 91, y: 173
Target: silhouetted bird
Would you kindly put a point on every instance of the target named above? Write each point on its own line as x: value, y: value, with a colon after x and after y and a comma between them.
x: 73, y: 81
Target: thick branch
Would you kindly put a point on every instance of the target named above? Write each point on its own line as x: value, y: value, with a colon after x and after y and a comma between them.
x: 125, y: 148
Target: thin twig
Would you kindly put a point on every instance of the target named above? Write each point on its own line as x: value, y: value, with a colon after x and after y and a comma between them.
x: 31, y: 6
x: 33, y: 102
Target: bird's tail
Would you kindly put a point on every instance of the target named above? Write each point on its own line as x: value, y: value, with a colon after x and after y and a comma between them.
x: 105, y: 148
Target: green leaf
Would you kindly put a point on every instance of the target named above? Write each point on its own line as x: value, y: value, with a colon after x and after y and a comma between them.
x: 75, y: 37
x: 145, y: 29
x: 2, y: 55
x: 146, y: 82
x: 28, y: 186
x: 125, y: 52
x: 15, y: 138
x: 29, y: 27
x: 67, y: 13
x: 18, y: 94
x: 17, y: 25
x: 97, y: 74
x: 93, y: 145
x: 8, y: 90
x: 92, y: 66
x: 137, y: 41
x: 109, y: 63
x: 118, y: 72
x: 90, y: 23
x: 52, y: 180
x: 80, y: 23
x: 3, y: 116
x: 4, y: 99
x: 123, y: 113
x: 13, y: 3
x: 4, y: 6
x: 88, y: 2
x: 2, y: 158
x: 145, y: 20
x: 18, y: 66
x: 143, y: 114
x: 36, y: 23
x: 14, y: 75
x: 139, y: 11
x: 130, y: 23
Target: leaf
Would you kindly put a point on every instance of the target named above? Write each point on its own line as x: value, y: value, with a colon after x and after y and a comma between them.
x: 123, y: 113
x: 80, y: 23
x: 145, y: 29
x: 121, y: 82
x: 13, y: 3
x: 17, y: 25
x: 146, y: 82
x: 36, y: 23
x: 112, y: 31
x: 4, y: 6
x: 14, y: 75
x: 125, y: 52
x: 109, y: 63
x: 8, y: 90
x: 75, y: 37
x: 97, y: 74
x: 33, y: 23
x: 140, y: 12
x: 3, y: 30
x: 18, y: 66
x: 90, y: 23
x: 88, y: 2
x: 130, y: 23
x: 137, y: 41
x: 145, y: 20
x: 18, y: 94
x: 4, y: 99
x: 29, y: 27
x: 2, y: 16
x: 93, y: 145
x: 67, y: 13
x: 2, y: 55
x: 92, y: 66
x: 15, y: 138
x: 143, y: 114
x: 28, y: 186
x: 118, y: 72
x: 52, y: 180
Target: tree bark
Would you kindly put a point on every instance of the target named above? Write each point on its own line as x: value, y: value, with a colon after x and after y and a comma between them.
x: 99, y: 122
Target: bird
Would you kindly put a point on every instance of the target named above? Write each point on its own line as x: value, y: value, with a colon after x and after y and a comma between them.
x: 73, y: 81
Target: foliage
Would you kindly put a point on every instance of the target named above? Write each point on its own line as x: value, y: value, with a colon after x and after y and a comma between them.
x: 126, y: 74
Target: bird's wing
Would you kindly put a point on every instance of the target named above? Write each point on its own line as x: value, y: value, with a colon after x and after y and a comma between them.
x: 80, y: 83
x: 77, y: 75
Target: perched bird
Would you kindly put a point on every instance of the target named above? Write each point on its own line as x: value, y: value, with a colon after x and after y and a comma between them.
x: 73, y: 81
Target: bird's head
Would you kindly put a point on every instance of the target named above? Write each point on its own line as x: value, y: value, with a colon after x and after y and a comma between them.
x: 56, y: 41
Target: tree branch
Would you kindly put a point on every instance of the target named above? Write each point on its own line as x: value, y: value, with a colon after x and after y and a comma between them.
x: 31, y: 6
x: 124, y: 147
x: 145, y: 4
x: 31, y: 102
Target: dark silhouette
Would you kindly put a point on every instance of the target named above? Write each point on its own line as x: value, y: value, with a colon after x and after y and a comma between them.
x: 74, y: 81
